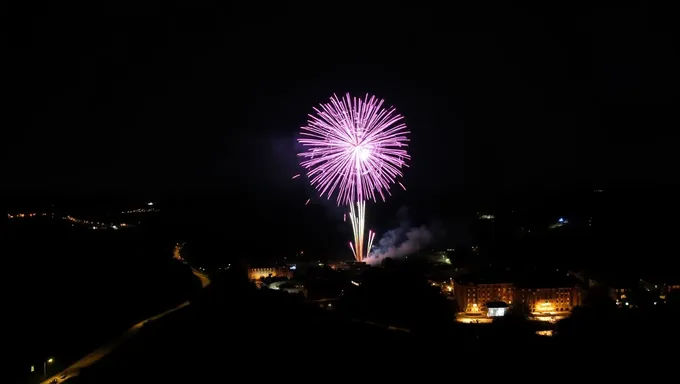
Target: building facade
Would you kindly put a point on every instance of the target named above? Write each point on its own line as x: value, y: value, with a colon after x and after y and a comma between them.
x: 547, y: 301
x: 262, y: 273
x: 473, y: 298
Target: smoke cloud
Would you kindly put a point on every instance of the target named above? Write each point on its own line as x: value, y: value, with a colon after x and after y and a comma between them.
x: 401, y: 242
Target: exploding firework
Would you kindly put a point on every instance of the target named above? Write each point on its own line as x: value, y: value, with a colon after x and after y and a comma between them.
x: 355, y: 149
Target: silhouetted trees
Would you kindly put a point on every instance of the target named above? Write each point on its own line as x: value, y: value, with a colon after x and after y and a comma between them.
x: 515, y: 324
x: 400, y: 295
x: 597, y: 320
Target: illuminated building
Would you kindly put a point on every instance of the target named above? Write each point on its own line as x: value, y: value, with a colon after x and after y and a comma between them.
x: 550, y: 300
x: 260, y: 273
x: 473, y: 297
x: 545, y: 300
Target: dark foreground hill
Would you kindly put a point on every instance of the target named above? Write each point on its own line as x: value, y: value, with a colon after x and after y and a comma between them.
x: 235, y: 332
x: 242, y: 332
x: 71, y: 289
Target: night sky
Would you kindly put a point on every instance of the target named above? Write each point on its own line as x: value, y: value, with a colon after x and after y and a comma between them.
x: 214, y: 97
x: 185, y: 99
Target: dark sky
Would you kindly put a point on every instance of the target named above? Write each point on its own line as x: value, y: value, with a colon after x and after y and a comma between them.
x: 188, y: 98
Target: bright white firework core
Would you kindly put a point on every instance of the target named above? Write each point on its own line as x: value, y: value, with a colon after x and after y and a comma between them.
x: 362, y: 153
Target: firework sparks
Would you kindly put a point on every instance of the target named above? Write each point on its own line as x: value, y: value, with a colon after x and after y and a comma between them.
x: 358, y: 219
x: 296, y: 176
x: 307, y: 202
x: 355, y: 149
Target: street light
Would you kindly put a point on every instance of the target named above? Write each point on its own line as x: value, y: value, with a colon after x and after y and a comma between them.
x: 50, y: 360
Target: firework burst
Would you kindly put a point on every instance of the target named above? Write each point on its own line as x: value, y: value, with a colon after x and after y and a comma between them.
x: 355, y: 150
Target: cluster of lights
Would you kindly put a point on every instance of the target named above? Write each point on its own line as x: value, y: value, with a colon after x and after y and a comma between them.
x: 545, y: 307
x: 176, y: 252
x: 140, y: 210
x: 560, y: 223
x: 25, y: 215
x: 446, y: 286
x: 92, y: 224
x: 96, y: 224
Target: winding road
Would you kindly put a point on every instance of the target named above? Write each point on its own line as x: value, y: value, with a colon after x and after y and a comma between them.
x: 74, y: 369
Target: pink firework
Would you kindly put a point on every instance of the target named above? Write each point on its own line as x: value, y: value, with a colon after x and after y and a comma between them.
x: 354, y: 147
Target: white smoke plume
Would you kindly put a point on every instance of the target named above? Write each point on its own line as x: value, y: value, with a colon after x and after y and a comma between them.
x: 400, y: 242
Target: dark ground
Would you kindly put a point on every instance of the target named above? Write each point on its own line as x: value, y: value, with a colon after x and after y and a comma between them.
x: 251, y: 334
x: 71, y: 289
x: 235, y: 332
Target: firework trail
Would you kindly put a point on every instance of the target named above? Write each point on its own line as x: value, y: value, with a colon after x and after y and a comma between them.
x: 355, y: 149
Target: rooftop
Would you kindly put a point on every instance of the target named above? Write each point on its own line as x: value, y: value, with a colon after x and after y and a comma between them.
x: 534, y: 280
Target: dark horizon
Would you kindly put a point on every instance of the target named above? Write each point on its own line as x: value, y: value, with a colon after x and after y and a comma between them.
x: 270, y: 229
